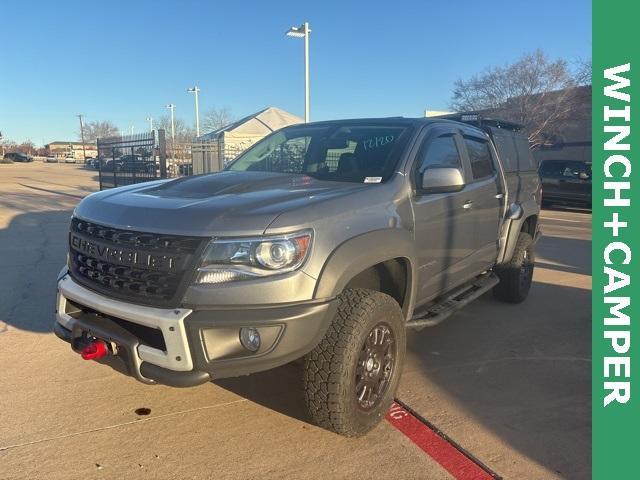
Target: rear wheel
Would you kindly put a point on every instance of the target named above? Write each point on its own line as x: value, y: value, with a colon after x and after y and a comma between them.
x: 516, y: 276
x: 351, y: 377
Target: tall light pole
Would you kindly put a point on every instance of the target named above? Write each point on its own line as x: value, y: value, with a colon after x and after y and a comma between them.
x: 172, y: 107
x: 84, y: 155
x: 150, y: 120
x: 195, y: 91
x: 303, y: 31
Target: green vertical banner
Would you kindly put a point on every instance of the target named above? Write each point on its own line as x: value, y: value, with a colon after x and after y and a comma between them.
x: 616, y: 239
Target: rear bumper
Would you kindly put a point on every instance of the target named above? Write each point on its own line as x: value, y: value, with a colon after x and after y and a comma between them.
x: 185, y: 347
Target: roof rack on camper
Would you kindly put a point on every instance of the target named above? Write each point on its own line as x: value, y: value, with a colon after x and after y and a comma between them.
x: 481, y: 120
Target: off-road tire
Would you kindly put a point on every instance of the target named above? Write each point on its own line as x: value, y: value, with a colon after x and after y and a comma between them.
x: 330, y: 368
x: 516, y: 276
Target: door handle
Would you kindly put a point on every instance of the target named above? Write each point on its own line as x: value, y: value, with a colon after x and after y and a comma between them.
x: 467, y: 205
x: 500, y: 195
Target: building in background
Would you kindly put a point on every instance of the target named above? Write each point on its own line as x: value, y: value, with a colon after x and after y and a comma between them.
x: 572, y: 140
x: 569, y: 139
x: 63, y: 150
x: 210, y: 152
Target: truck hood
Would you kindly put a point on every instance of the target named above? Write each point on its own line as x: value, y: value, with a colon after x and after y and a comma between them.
x: 224, y: 203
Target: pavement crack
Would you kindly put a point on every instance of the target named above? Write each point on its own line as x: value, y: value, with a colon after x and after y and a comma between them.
x: 123, y: 424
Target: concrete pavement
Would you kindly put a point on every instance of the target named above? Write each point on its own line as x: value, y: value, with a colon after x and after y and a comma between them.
x: 511, y: 384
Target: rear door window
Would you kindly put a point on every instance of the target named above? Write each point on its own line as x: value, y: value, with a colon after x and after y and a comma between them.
x: 480, y: 158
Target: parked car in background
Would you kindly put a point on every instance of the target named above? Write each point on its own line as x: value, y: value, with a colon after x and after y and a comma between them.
x: 95, y: 162
x: 18, y: 157
x: 51, y: 159
x: 566, y: 181
x: 69, y: 159
x: 136, y: 164
x: 110, y: 165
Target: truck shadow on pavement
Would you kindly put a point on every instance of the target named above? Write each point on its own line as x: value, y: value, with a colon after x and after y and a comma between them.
x: 32, y: 251
x: 521, y: 373
x: 279, y: 389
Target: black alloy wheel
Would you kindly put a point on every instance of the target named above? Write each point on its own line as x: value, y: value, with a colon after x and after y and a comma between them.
x: 375, y: 366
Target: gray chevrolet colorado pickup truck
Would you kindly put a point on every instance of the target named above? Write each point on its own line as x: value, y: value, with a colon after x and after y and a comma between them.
x: 324, y: 241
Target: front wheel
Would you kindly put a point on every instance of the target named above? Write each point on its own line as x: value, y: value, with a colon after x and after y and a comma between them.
x: 351, y: 377
x: 516, y: 275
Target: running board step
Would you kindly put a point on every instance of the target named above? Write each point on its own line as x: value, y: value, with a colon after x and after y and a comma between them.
x: 453, y: 301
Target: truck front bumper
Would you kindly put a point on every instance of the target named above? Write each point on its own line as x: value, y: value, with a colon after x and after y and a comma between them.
x: 184, y: 347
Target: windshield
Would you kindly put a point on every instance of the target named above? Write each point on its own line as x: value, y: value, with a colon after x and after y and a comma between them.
x: 353, y: 152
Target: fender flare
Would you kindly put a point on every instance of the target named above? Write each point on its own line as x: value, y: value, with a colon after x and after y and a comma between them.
x: 529, y: 208
x: 366, y: 250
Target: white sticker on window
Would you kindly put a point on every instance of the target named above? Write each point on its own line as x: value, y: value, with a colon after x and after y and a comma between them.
x: 372, y: 179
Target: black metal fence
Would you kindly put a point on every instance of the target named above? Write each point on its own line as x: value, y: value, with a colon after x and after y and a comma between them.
x: 129, y: 159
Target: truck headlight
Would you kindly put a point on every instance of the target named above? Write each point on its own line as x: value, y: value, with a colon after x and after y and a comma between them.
x: 232, y: 259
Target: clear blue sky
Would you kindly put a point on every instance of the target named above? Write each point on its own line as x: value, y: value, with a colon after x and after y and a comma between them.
x: 123, y: 61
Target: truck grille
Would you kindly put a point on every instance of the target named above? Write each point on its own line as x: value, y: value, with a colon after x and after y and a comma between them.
x: 146, y: 268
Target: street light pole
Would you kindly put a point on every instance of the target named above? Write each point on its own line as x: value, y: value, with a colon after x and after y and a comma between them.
x: 84, y: 155
x: 306, y: 72
x: 195, y: 91
x: 172, y: 107
x: 303, y: 31
x: 150, y: 120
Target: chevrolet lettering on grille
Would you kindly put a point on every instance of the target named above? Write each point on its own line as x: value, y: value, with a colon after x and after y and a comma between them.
x: 122, y: 256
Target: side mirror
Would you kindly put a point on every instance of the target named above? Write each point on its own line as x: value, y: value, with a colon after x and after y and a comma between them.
x: 442, y: 180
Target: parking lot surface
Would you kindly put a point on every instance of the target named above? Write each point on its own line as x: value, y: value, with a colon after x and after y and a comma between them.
x: 510, y: 383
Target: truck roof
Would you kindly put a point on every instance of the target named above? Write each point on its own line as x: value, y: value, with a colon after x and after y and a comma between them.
x: 474, y: 119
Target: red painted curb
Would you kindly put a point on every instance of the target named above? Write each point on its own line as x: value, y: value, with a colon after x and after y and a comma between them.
x: 443, y: 452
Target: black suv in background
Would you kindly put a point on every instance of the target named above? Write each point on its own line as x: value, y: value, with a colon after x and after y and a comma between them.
x: 18, y: 157
x: 130, y: 163
x: 566, y: 181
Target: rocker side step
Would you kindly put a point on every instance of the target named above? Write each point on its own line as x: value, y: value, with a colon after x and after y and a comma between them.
x: 453, y: 301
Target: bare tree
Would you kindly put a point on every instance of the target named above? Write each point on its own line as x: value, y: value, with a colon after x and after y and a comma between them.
x: 6, y: 146
x: 98, y: 129
x: 583, y: 72
x: 216, y: 118
x: 184, y: 133
x: 26, y: 147
x: 534, y: 91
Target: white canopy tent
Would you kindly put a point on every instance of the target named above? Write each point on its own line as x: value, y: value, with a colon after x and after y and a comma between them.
x: 210, y: 151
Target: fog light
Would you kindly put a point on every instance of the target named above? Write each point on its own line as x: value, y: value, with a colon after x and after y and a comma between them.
x: 250, y: 339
